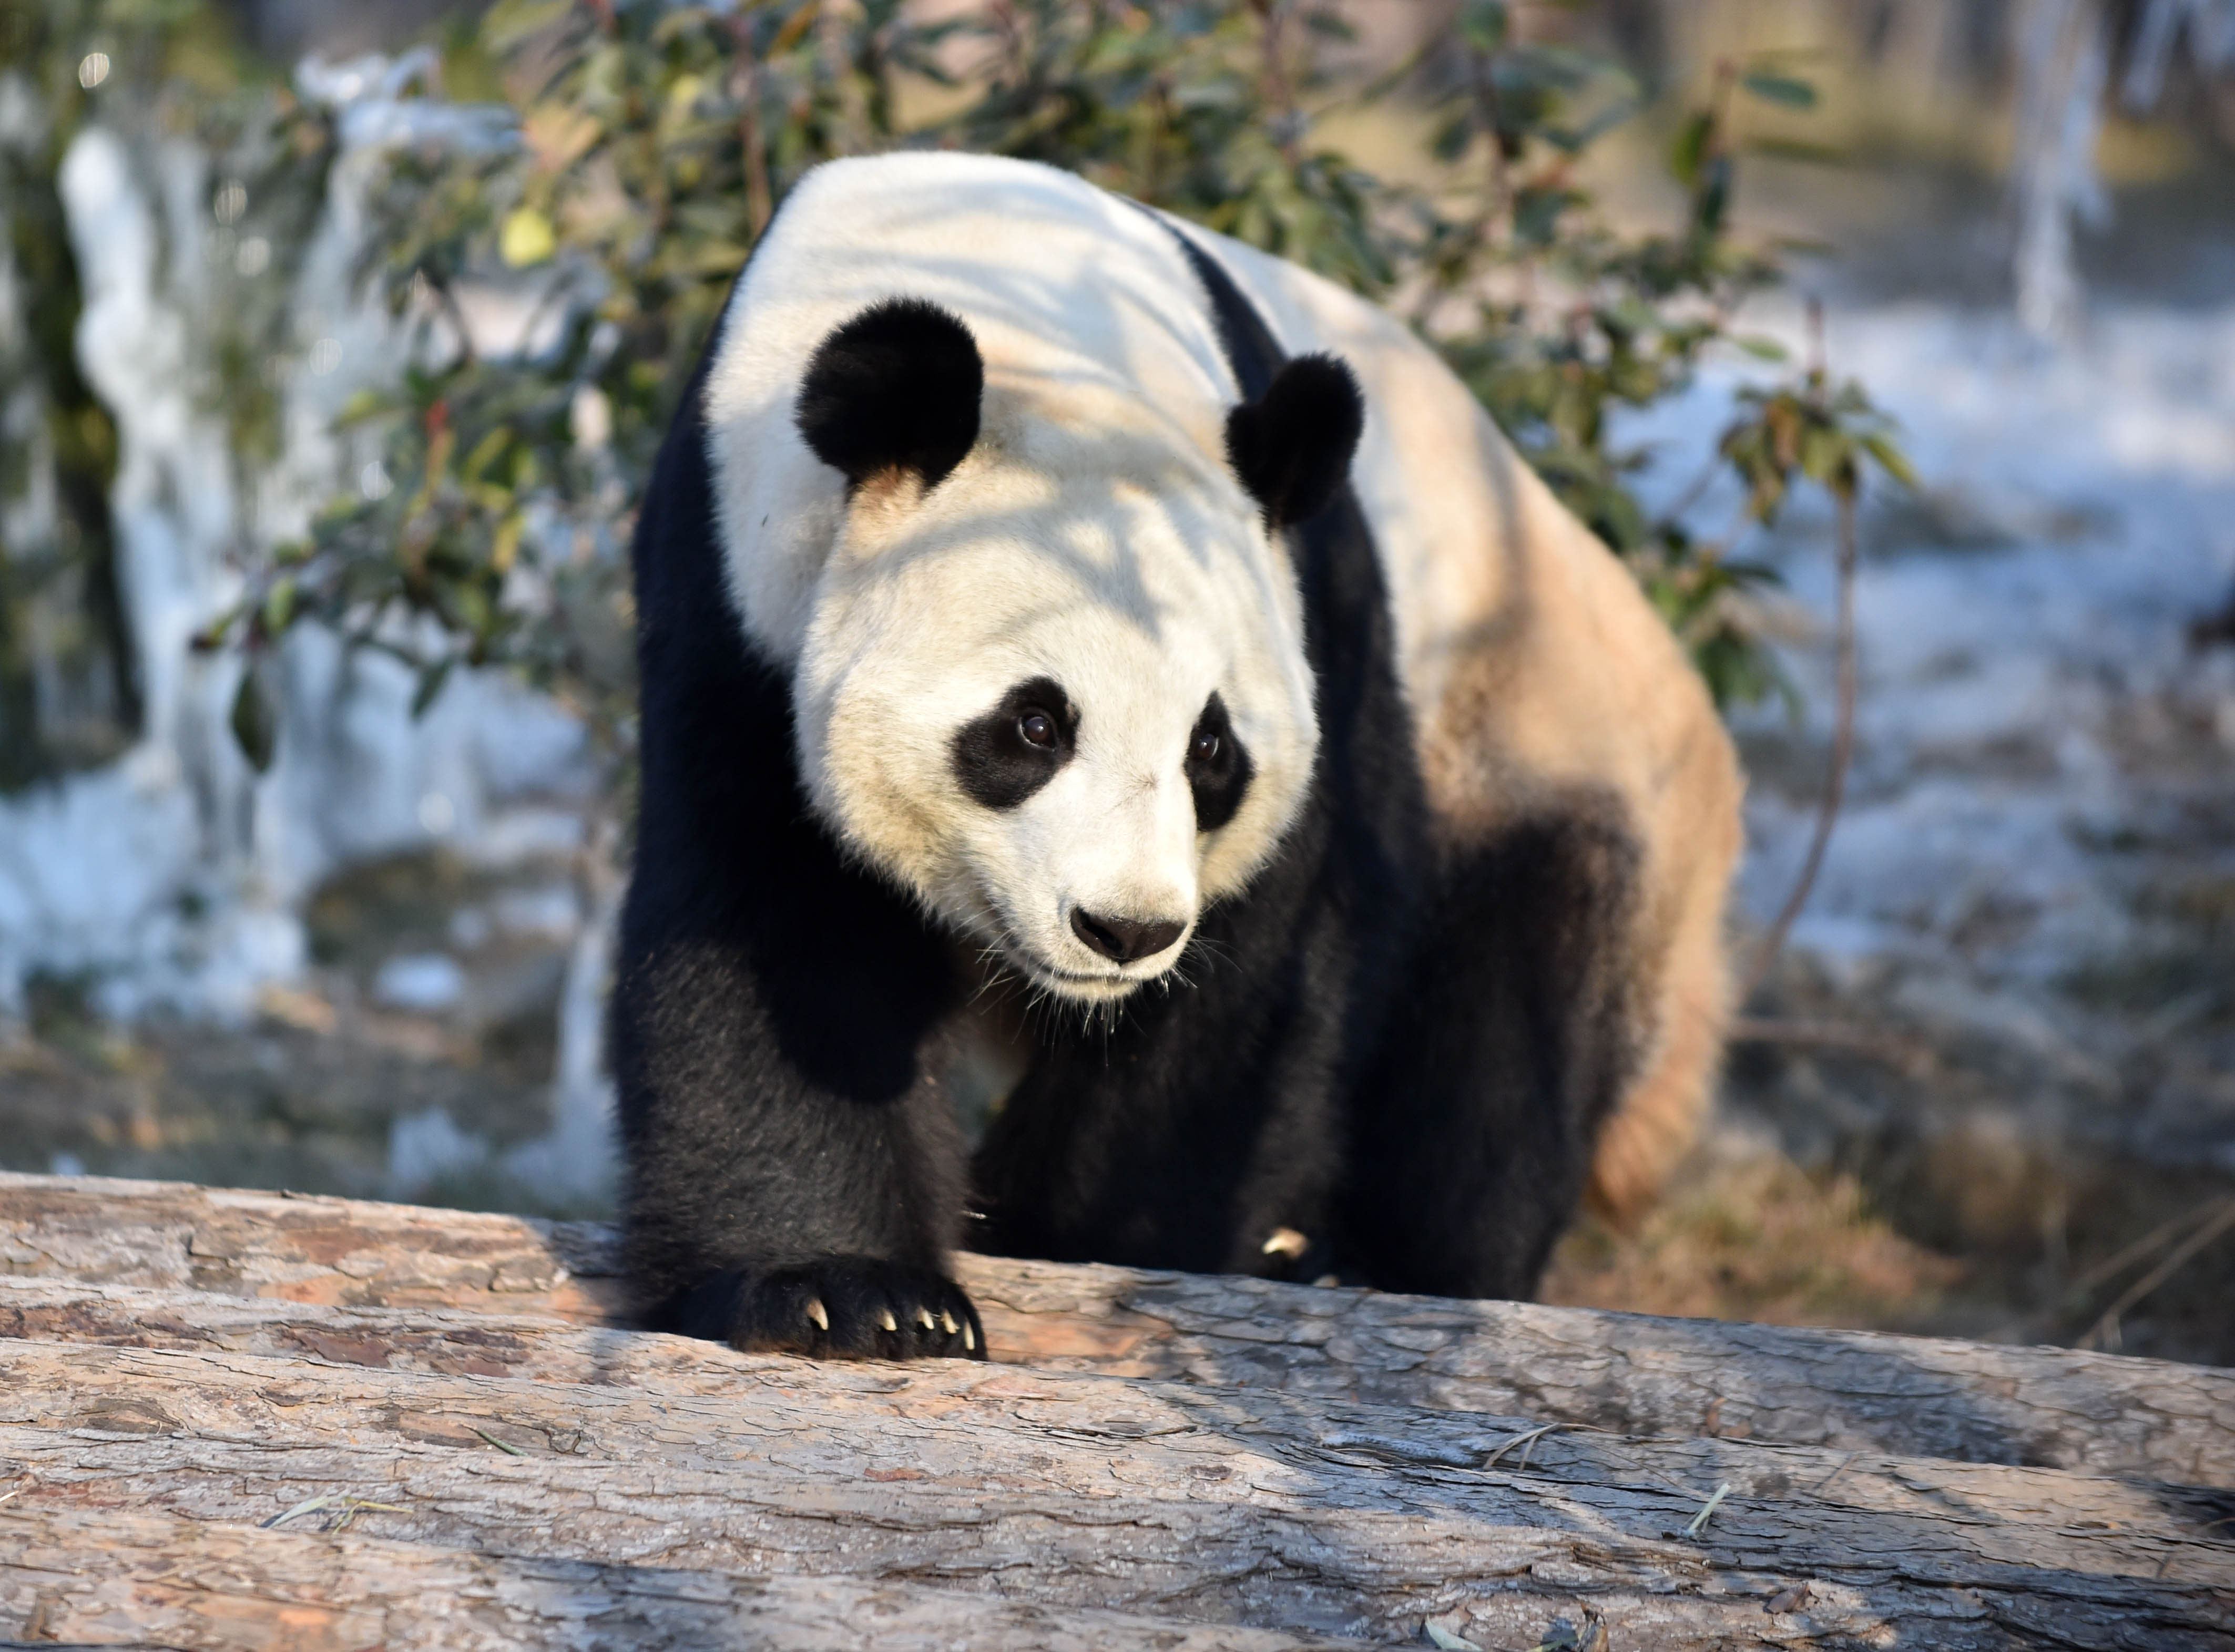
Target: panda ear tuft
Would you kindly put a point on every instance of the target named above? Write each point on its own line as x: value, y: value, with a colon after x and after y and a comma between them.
x: 897, y: 387
x: 1292, y: 446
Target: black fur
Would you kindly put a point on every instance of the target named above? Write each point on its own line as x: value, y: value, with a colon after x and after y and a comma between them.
x: 897, y: 387
x: 1399, y: 1050
x: 1219, y: 778
x: 1292, y: 445
x: 995, y: 764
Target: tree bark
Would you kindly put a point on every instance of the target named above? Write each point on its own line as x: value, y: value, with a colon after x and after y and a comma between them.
x: 72, y: 1577
x: 1081, y: 1492
x: 1631, y: 1373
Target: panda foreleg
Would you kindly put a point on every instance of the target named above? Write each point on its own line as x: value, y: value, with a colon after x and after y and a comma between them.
x: 794, y: 1177
x: 1507, y: 1045
x: 792, y: 1172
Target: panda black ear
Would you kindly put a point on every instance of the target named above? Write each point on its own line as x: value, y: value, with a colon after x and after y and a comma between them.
x: 897, y: 388
x: 1292, y: 446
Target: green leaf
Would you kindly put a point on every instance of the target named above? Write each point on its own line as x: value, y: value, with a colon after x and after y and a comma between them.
x: 484, y: 453
x: 278, y: 606
x: 1483, y: 24
x: 431, y: 679
x: 1814, y: 154
x: 255, y: 727
x: 1890, y: 459
x: 1765, y: 349
x: 1537, y: 214
x: 1690, y: 149
x: 1824, y: 451
x: 1784, y: 89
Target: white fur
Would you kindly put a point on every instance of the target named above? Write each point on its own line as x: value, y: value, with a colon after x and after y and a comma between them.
x: 1094, y: 535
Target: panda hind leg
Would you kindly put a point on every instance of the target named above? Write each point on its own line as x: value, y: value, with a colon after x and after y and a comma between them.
x: 1511, y: 1035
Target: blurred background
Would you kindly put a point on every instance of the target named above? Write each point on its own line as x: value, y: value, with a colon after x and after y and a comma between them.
x: 1891, y: 342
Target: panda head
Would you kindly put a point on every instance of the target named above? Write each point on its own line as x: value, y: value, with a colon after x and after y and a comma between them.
x: 1054, y: 680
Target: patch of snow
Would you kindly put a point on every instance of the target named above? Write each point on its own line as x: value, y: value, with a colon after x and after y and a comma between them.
x: 1998, y: 682
x: 427, y: 1146
x: 426, y: 982
x: 552, y: 913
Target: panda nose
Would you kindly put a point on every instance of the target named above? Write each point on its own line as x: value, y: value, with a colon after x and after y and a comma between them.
x: 1123, y: 939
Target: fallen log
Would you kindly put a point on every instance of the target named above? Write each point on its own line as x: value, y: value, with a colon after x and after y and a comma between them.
x: 67, y: 1577
x: 1163, y: 1500
x: 1631, y: 1373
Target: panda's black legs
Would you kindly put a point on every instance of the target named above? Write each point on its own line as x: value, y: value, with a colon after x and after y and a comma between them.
x: 1506, y: 1046
x: 794, y: 1174
x: 793, y: 1177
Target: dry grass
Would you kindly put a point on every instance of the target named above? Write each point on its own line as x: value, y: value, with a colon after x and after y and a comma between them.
x: 1747, y: 1234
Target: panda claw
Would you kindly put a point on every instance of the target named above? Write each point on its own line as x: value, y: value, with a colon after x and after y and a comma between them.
x: 849, y: 1307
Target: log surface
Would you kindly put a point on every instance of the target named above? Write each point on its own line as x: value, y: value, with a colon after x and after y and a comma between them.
x: 71, y: 1577
x: 1163, y: 1500
x: 1631, y: 1373
x: 247, y: 1420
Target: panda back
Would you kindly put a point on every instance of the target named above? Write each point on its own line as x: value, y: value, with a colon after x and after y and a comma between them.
x: 1533, y: 662
x: 1079, y: 302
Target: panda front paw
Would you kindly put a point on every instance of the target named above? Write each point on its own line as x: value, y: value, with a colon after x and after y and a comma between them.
x: 856, y: 1308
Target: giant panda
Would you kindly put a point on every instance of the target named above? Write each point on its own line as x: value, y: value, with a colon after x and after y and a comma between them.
x: 1079, y: 648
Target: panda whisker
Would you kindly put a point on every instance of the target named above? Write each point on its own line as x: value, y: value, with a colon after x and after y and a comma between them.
x: 1215, y: 953
x: 997, y: 974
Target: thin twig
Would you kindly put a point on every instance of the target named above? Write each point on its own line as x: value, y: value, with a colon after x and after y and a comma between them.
x: 1817, y: 1489
x: 2161, y: 1235
x: 1277, y: 89
x: 447, y: 301
x: 1843, y: 746
x: 1528, y: 1438
x: 759, y: 201
x: 833, y: 21
x: 1911, y: 1055
x: 1498, y: 181
x: 2107, y: 1325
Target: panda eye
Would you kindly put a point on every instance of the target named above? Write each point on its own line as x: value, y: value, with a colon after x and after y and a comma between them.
x: 1204, y: 747
x: 1037, y: 728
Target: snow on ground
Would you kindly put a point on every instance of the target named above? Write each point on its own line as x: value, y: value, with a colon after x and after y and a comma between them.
x: 2045, y: 765
x: 2078, y: 515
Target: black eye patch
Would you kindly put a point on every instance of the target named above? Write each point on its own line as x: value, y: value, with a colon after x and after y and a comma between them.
x: 1218, y: 769
x: 1005, y: 756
